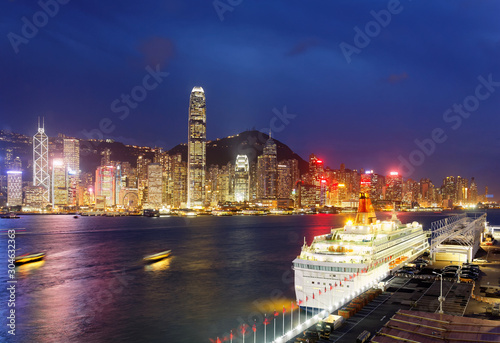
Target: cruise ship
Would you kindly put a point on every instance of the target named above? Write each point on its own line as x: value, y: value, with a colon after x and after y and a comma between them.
x: 342, y: 264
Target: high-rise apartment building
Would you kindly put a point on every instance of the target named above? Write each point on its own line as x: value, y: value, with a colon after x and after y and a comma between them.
x: 242, y: 179
x: 196, y: 148
x: 14, y: 188
x: 41, y: 176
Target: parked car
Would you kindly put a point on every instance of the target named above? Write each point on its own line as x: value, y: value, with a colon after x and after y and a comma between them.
x: 471, y: 270
x: 468, y: 276
x: 470, y: 265
x: 480, y: 260
x: 449, y: 274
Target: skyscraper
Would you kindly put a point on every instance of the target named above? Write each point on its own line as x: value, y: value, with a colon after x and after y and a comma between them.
x: 59, y: 183
x: 105, y: 186
x: 267, y: 171
x: 155, y: 185
x: 14, y: 188
x: 394, y: 190
x: 242, y: 179
x: 72, y: 154
x: 41, y: 176
x: 196, y: 148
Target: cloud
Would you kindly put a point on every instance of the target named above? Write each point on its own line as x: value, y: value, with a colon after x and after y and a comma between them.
x: 397, y: 78
x: 303, y: 46
x: 157, y: 50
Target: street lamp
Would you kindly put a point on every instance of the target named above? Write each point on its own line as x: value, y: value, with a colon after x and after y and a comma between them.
x: 441, y: 298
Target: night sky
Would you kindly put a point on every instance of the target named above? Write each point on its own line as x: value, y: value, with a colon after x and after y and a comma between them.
x: 365, y: 106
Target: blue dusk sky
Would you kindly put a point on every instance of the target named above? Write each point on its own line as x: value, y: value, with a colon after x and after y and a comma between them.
x: 384, y: 85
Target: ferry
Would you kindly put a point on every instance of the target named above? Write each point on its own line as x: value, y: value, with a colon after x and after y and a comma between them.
x: 157, y: 257
x: 28, y: 258
x: 349, y: 260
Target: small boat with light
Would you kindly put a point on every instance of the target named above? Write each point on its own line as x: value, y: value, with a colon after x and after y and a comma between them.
x: 11, y: 215
x: 28, y: 258
x: 157, y: 257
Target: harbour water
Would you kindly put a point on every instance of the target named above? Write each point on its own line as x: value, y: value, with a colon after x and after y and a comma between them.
x: 223, y: 272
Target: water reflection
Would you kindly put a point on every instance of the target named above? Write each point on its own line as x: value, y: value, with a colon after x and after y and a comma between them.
x: 26, y: 269
x: 158, y: 266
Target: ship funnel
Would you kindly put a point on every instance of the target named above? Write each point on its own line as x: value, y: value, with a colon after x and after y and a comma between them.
x: 366, y: 213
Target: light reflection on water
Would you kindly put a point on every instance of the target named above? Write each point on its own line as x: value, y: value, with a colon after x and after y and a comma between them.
x: 94, y: 287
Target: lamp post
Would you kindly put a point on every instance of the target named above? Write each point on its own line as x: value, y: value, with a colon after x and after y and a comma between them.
x: 441, y: 298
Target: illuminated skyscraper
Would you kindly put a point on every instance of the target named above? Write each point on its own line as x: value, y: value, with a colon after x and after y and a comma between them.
x: 72, y: 154
x: 14, y: 188
x: 59, y: 183
x: 105, y: 186
x: 196, y: 148
x: 267, y: 171
x: 285, y: 183
x: 473, y: 192
x: 394, y: 190
x: 449, y: 188
x: 41, y: 176
x: 155, y: 185
x: 242, y: 179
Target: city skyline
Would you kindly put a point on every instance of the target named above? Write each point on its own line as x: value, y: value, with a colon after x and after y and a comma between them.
x: 415, y: 94
x: 166, y: 181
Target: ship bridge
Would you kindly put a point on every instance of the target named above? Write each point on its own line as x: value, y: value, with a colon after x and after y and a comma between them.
x: 457, y: 238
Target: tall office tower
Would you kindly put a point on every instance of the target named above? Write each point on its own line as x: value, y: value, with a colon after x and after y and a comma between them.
x: 106, y: 157
x: 71, y: 149
x: 41, y: 176
x: 394, y: 191
x: 179, y: 180
x: 242, y: 179
x: 473, y: 192
x: 59, y: 183
x: 377, y: 186
x: 71, y: 153
x: 267, y: 172
x: 9, y: 155
x: 105, y: 186
x: 225, y: 188
x: 14, y: 188
x: 142, y: 178
x: 285, y: 182
x: 155, y: 185
x: 462, y: 190
x: 366, y: 181
x: 449, y: 188
x: 196, y: 148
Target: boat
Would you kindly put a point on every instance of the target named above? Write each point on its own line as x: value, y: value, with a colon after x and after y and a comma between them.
x: 28, y: 258
x: 11, y: 215
x: 151, y: 213
x: 157, y: 257
x: 349, y: 260
x: 75, y: 217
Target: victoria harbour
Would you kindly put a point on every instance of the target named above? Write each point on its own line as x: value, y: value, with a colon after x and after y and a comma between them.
x: 224, y: 271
